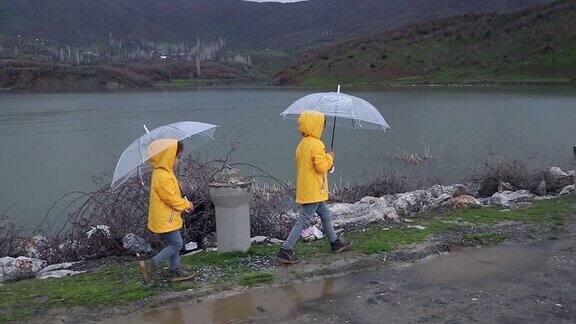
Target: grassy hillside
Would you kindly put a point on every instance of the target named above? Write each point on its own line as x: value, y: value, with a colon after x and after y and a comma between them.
x: 534, y: 45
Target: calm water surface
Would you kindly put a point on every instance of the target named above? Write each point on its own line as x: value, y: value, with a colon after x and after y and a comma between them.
x: 53, y: 144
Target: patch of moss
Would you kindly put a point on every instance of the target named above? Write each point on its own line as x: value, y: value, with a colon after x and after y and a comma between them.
x: 255, y: 278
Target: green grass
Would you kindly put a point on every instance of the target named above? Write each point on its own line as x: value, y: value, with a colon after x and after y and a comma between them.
x: 483, y: 239
x: 256, y: 278
x: 120, y: 284
x: 106, y: 286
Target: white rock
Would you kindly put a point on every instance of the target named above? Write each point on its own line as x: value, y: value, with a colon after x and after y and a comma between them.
x: 369, y: 200
x: 341, y: 209
x: 557, y: 173
x: 453, y: 190
x: 12, y: 269
x: 413, y: 202
x: 135, y: 244
x: 57, y: 274
x: 391, y: 214
x: 258, y: 239
x: 265, y: 240
x: 58, y: 266
x: 544, y: 198
x: 359, y: 213
x: 568, y: 190
x: 6, y: 262
x: 505, y: 198
x: 485, y: 201
x: 419, y: 227
x: 441, y: 199
x: 105, y: 230
x: 439, y: 190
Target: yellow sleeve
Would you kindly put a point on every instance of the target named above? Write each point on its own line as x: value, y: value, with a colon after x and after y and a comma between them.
x: 169, y: 192
x: 322, y: 160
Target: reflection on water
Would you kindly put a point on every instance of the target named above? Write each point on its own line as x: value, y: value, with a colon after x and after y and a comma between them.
x: 258, y: 305
x: 474, y: 265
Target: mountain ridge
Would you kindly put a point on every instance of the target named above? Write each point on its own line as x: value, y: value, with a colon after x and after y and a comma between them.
x: 243, y: 23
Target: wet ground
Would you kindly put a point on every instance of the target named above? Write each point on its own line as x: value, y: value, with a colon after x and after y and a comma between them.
x: 533, y: 283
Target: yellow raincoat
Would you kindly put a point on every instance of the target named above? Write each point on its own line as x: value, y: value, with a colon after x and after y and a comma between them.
x: 312, y: 162
x: 166, y: 202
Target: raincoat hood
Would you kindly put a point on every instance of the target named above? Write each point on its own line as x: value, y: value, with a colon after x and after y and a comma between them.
x: 311, y: 123
x: 163, y: 154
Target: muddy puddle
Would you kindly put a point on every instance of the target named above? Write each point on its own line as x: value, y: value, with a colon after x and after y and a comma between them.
x: 293, y: 303
x: 471, y: 265
x: 258, y: 305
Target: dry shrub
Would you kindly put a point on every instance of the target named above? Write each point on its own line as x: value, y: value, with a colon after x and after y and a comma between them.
x: 386, y: 183
x: 270, y: 208
x: 521, y: 175
x: 11, y: 235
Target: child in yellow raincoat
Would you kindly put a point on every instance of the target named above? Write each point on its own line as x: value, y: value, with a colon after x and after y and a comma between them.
x: 312, y: 166
x: 165, y: 210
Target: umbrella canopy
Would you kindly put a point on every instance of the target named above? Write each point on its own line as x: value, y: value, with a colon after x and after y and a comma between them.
x: 348, y: 111
x: 137, y: 153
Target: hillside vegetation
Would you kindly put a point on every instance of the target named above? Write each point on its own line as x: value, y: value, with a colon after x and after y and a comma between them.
x: 537, y: 45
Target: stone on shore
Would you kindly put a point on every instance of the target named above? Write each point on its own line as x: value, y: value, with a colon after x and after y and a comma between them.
x: 135, y: 244
x: 265, y: 240
x: 13, y: 269
x: 506, y: 198
x: 57, y: 271
x: 541, y: 189
x: 98, y: 230
x: 464, y: 201
x: 568, y: 190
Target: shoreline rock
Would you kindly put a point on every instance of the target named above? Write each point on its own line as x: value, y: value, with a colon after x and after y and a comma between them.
x: 397, y: 208
x: 136, y: 244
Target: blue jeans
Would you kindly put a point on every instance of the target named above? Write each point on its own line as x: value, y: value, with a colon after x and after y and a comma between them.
x: 307, y: 212
x: 173, y: 242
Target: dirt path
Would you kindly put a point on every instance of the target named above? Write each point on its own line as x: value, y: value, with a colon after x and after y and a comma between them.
x: 532, y: 282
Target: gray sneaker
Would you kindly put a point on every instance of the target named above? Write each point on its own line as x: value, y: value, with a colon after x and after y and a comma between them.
x: 180, y: 274
x: 147, y: 269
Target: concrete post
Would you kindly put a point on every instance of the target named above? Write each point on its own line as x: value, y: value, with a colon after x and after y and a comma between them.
x: 231, y: 196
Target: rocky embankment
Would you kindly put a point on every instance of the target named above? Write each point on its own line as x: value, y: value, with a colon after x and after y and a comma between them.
x: 388, y: 208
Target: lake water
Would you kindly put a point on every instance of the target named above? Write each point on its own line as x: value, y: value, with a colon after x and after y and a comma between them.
x: 53, y: 144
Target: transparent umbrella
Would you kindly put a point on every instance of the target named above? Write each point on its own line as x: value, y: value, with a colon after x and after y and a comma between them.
x: 134, y: 158
x: 346, y: 111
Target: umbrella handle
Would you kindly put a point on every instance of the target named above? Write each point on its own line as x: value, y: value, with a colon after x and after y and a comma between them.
x: 333, y: 131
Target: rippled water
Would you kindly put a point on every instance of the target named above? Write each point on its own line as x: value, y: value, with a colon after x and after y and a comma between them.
x: 54, y: 143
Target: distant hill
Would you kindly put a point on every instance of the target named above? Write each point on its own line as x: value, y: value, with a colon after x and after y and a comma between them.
x: 533, y: 45
x: 241, y: 23
x: 42, y: 76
